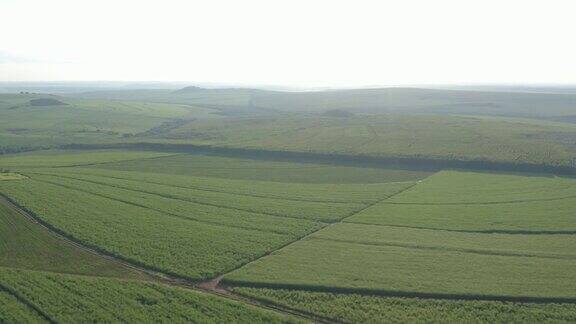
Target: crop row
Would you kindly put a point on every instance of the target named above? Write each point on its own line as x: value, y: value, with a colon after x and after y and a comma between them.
x: 208, y: 214
x: 353, y: 308
x: 410, y: 262
x: 151, y: 238
x: 71, y: 299
x: 349, y: 193
x: 25, y: 245
x: 272, y: 206
x: 14, y: 311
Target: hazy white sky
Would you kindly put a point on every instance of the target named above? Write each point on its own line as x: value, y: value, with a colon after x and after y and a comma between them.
x: 291, y: 42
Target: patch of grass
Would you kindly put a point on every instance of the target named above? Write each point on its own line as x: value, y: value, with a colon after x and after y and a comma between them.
x: 262, y: 170
x: 354, y: 308
x: 412, y: 262
x: 26, y: 245
x: 73, y: 299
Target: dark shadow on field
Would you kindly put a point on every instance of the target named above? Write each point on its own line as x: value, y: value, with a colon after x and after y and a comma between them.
x: 399, y: 163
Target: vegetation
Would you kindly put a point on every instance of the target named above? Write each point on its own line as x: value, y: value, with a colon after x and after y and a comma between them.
x: 500, y: 103
x: 73, y: 299
x: 354, y: 308
x: 13, y: 311
x: 183, y: 208
x: 414, y: 137
x: 60, y: 158
x: 483, y: 202
x: 117, y: 188
x: 266, y: 170
x: 351, y: 193
x: 27, y: 121
x: 326, y: 202
x: 326, y: 265
x: 25, y: 245
x: 175, y: 245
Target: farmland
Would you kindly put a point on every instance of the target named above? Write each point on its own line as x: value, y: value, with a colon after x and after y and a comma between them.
x: 183, y: 222
x: 186, y: 209
x: 265, y: 170
x: 71, y: 299
x: 25, y: 245
x: 499, y: 203
x: 352, y: 308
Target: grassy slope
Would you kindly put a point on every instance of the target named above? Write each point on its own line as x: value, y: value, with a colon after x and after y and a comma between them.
x: 409, y: 136
x: 73, y: 299
x: 81, y: 120
x: 26, y: 245
x: 371, y: 309
x: 363, y: 100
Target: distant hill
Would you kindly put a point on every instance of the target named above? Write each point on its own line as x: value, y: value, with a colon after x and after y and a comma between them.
x: 188, y: 89
x: 371, y: 101
x: 46, y: 102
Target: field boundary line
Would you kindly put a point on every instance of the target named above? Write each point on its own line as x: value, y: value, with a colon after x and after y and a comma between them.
x: 511, y: 232
x: 215, y: 282
x: 472, y: 203
x: 160, y: 276
x: 451, y: 249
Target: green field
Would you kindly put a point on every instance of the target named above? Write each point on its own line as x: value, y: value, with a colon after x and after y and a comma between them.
x: 61, y: 158
x: 533, y: 261
x: 73, y: 299
x: 24, y: 124
x: 413, y: 136
x: 355, y: 206
x: 266, y: 170
x: 467, y: 201
x: 25, y: 245
x: 352, y: 308
x: 409, y: 269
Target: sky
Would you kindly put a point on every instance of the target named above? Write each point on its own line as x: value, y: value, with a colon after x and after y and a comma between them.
x: 290, y: 42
